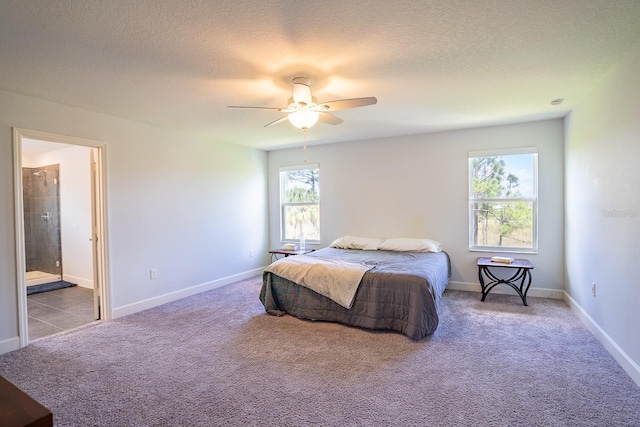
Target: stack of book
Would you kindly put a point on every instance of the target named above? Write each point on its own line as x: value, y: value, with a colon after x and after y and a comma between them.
x: 502, y: 259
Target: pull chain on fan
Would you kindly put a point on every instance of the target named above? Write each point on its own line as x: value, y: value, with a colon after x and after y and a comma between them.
x: 304, y: 143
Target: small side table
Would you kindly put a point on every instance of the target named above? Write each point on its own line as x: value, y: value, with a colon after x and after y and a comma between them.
x: 274, y: 253
x: 521, y: 276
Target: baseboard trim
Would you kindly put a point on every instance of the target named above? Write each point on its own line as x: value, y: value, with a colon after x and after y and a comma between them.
x: 82, y: 282
x: 533, y: 292
x: 630, y: 367
x: 10, y: 344
x: 182, y: 293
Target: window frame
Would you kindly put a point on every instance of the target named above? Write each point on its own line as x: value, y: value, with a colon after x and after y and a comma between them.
x: 284, y: 204
x: 533, y: 200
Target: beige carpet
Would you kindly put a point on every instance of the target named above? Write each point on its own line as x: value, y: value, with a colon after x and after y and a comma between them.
x: 218, y: 359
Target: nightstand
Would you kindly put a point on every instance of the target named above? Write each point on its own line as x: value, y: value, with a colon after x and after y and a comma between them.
x: 274, y: 253
x: 517, y: 281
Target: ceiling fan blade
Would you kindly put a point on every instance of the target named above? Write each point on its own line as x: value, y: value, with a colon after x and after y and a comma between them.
x: 275, y: 122
x: 259, y: 108
x: 344, y: 104
x: 329, y: 119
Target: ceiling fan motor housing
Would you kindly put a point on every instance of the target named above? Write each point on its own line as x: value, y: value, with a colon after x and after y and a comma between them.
x: 302, y: 90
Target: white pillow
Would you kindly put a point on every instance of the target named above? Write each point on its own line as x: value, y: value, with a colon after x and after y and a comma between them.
x: 353, y: 242
x: 410, y: 245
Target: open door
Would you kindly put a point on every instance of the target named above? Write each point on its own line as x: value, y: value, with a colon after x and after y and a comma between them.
x: 98, y: 236
x: 95, y: 227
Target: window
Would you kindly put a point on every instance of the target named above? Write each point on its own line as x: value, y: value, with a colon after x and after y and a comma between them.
x: 300, y: 203
x: 503, y: 200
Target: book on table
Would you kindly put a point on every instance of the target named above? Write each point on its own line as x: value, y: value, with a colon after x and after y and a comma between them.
x: 502, y: 259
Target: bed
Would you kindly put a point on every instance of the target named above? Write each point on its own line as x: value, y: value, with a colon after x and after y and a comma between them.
x: 400, y: 291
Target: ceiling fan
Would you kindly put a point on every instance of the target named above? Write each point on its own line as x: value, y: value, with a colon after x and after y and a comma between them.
x: 304, y: 111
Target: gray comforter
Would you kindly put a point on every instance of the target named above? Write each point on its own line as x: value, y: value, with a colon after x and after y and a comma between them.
x: 400, y: 293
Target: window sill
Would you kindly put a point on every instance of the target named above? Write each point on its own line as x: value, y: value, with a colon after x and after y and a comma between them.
x: 505, y: 250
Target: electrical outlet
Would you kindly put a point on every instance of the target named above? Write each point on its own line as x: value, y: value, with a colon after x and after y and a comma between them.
x: 593, y: 289
x: 250, y: 252
x: 57, y: 263
x: 153, y: 273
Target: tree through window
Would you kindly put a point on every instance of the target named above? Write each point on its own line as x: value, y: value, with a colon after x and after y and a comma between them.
x: 300, y: 203
x: 503, y: 200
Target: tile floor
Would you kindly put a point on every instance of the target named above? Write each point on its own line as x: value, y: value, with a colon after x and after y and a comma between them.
x: 56, y: 311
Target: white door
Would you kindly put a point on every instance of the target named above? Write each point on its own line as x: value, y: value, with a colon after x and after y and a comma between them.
x: 95, y: 248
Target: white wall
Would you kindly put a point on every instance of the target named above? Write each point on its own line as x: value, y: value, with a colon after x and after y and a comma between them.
x: 185, y: 205
x: 75, y: 209
x: 416, y: 186
x: 603, y: 209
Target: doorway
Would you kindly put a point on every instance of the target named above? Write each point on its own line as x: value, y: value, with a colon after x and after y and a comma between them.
x: 60, y: 229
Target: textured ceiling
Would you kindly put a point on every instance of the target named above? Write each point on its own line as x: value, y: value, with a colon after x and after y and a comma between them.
x: 433, y: 65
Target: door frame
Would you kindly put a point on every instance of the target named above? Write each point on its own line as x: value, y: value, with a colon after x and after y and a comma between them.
x: 101, y: 263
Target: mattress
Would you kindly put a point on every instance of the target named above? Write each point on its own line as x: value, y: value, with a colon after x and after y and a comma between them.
x: 401, y: 292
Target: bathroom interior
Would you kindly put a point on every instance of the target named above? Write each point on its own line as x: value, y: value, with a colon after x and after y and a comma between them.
x: 56, y: 184
x: 43, y: 248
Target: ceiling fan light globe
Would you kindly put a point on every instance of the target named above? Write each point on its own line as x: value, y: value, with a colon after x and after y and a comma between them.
x: 303, y: 119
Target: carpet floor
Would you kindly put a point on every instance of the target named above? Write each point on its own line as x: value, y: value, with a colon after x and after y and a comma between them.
x: 217, y: 359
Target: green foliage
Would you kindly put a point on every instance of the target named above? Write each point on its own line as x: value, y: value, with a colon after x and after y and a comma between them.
x: 302, y: 220
x: 302, y: 194
x: 302, y: 186
x: 498, y: 223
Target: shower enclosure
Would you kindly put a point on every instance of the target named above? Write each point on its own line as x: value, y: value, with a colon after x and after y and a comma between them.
x: 41, y: 197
